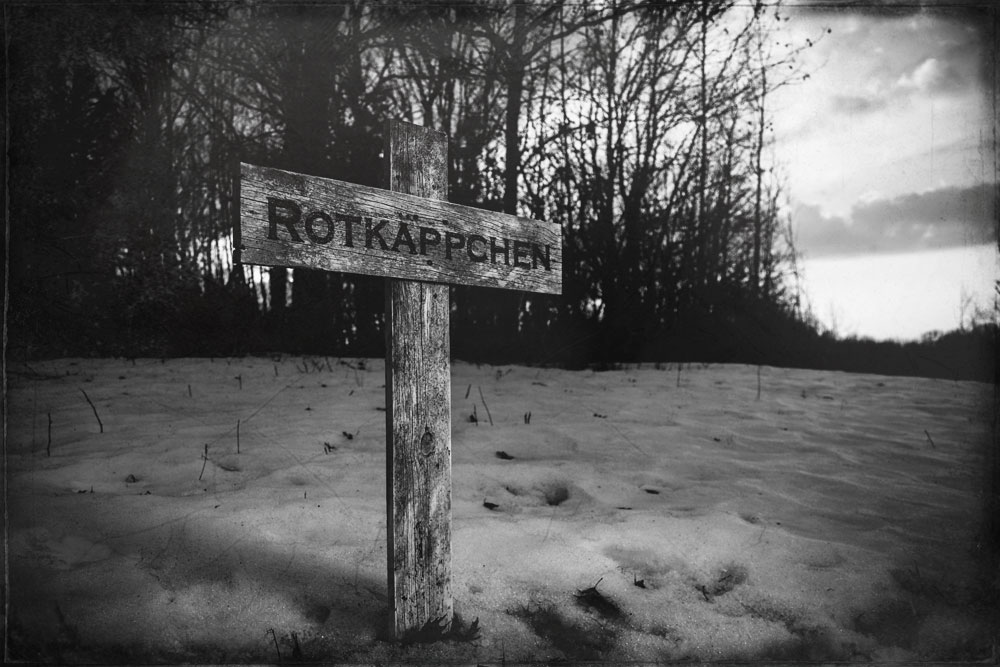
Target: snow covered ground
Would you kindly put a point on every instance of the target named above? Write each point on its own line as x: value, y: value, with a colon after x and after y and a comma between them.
x: 834, y: 517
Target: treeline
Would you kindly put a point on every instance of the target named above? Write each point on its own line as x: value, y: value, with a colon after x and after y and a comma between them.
x: 642, y: 128
x: 963, y: 354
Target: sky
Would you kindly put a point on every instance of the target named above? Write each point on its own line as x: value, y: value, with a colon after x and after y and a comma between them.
x: 888, y: 154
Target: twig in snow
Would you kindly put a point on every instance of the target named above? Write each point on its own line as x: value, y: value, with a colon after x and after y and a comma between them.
x: 239, y: 378
x: 94, y: 409
x: 189, y: 391
x: 484, y: 404
x: 590, y: 591
x: 467, y: 390
x: 678, y: 375
x: 758, y: 383
x: 205, y: 462
x: 929, y: 439
x: 275, y: 638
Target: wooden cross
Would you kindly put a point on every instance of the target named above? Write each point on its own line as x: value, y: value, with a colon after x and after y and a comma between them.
x: 410, y: 234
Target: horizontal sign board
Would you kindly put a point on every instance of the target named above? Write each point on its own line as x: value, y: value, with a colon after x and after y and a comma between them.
x: 294, y: 220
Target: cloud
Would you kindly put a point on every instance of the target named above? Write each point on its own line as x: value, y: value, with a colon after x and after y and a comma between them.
x: 974, y: 206
x: 883, y: 7
x: 818, y: 235
x: 855, y: 104
x: 944, y: 218
x: 886, y: 60
x: 933, y: 76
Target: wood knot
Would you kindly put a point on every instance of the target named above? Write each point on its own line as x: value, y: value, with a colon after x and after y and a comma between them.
x: 427, y: 442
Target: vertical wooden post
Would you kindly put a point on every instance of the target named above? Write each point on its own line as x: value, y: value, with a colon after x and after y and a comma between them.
x: 418, y: 406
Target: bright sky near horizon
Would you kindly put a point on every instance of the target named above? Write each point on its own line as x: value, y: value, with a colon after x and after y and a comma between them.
x: 889, y: 159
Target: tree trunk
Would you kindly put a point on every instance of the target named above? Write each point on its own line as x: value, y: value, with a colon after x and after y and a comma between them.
x: 758, y: 219
x: 278, y: 287
x: 700, y: 236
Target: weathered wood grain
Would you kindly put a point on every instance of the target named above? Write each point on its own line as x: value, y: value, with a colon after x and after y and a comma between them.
x: 418, y: 407
x: 296, y: 220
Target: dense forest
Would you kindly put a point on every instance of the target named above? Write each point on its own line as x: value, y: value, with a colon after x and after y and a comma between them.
x: 642, y: 128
